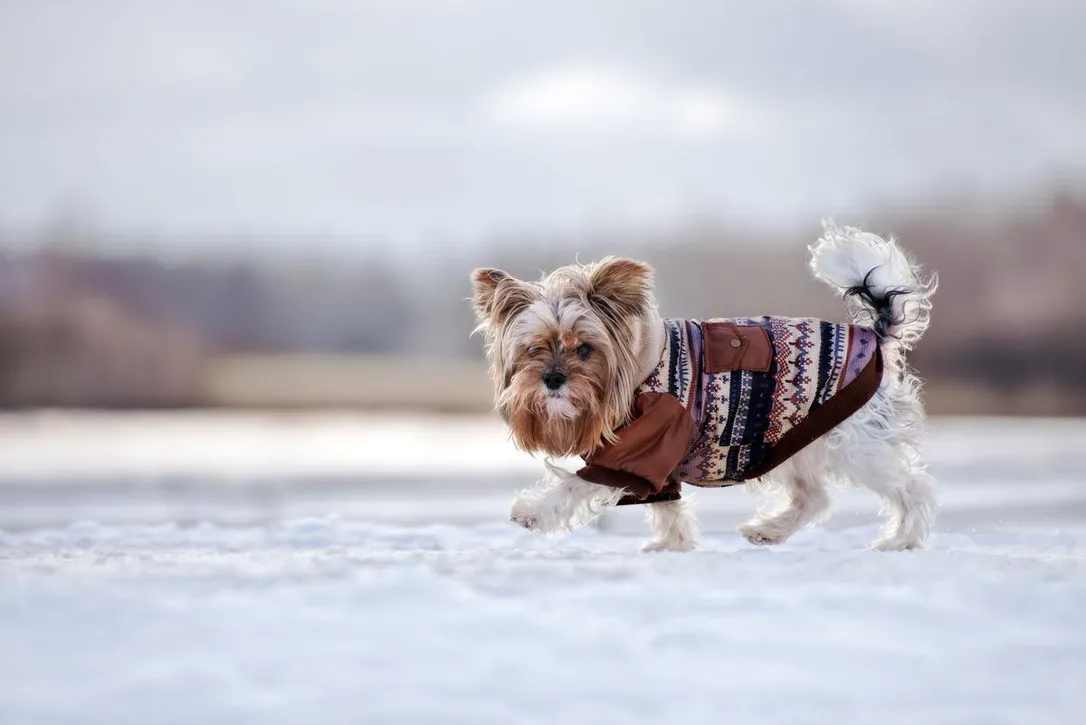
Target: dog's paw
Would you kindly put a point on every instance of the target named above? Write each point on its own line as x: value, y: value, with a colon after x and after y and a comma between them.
x: 669, y: 544
x: 524, y: 512
x: 896, y: 544
x: 525, y: 520
x: 760, y: 535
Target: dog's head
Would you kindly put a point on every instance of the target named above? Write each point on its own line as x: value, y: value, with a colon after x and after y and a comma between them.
x: 564, y: 351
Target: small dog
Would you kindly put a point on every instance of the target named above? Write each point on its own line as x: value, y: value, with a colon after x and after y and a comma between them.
x: 584, y: 365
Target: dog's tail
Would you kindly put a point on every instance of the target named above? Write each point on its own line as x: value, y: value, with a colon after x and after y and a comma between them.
x: 882, y: 285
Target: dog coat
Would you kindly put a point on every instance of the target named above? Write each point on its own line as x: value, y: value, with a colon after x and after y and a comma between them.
x: 732, y: 399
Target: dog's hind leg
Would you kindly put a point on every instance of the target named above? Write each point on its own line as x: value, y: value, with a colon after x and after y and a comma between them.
x: 674, y: 526
x: 908, y: 495
x: 878, y: 448
x: 912, y: 507
x: 807, y: 503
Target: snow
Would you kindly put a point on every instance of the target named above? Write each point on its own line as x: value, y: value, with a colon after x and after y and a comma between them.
x: 341, y: 592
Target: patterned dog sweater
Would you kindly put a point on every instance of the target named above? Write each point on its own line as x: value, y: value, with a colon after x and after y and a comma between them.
x: 731, y: 399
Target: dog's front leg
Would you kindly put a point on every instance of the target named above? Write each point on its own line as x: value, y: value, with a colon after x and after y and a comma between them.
x: 674, y: 526
x: 561, y: 501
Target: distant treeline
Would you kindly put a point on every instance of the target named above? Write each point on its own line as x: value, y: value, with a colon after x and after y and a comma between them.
x: 82, y: 328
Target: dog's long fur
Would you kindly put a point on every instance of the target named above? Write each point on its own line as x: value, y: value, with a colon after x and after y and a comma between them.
x: 597, y: 325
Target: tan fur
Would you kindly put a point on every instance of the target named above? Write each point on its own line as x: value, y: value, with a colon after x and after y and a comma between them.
x: 535, y: 327
x: 498, y: 295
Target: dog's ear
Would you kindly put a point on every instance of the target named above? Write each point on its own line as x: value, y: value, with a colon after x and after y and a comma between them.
x: 621, y: 286
x: 496, y: 295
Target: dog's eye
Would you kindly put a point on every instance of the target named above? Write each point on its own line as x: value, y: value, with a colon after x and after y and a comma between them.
x: 535, y: 351
x: 584, y: 350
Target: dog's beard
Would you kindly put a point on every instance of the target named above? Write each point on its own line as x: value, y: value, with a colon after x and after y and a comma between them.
x: 559, y: 406
x: 569, y: 421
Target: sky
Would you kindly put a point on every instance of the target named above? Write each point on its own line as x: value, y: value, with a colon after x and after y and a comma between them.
x: 407, y: 123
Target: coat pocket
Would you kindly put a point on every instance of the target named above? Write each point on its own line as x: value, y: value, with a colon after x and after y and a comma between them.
x: 729, y: 347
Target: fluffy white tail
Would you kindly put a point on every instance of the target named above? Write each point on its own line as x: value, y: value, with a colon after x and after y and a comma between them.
x: 884, y: 288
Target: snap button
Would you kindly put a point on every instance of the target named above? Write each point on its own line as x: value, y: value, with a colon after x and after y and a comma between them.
x: 735, y: 342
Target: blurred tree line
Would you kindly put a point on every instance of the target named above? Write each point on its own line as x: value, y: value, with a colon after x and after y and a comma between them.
x: 79, y: 327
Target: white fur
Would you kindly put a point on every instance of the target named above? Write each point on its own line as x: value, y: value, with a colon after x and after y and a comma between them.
x: 561, y: 501
x: 806, y: 503
x: 559, y: 406
x: 877, y: 447
x: 675, y: 527
x: 842, y: 258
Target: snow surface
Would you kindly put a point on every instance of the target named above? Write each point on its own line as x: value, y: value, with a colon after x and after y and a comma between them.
x: 322, y: 621
x: 225, y: 593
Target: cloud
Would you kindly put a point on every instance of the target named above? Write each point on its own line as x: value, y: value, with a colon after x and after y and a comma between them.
x: 594, y: 100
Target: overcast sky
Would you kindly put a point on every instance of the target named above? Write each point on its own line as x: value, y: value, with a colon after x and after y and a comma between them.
x: 413, y: 121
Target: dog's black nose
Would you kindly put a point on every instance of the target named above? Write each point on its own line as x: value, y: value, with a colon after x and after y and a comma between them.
x: 554, y: 379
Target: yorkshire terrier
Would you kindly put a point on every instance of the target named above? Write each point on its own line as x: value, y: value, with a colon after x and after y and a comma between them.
x: 584, y: 366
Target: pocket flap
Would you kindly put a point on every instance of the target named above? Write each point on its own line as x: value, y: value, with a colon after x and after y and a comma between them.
x: 729, y: 347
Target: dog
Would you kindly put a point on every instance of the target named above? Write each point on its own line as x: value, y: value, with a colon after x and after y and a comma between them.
x: 585, y: 366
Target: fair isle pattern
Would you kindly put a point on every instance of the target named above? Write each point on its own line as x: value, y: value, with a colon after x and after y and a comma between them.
x: 740, y: 415
x: 794, y: 342
x: 677, y: 372
x: 862, y: 349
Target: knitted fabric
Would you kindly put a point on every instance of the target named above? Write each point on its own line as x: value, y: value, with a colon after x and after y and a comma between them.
x: 740, y: 415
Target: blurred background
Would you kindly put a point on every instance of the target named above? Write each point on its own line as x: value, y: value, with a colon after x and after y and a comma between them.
x: 275, y: 207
